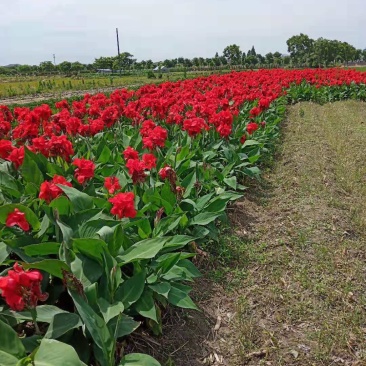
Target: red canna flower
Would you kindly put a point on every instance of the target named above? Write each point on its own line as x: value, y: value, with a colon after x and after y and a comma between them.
x: 194, y: 126
x: 17, y: 218
x: 22, y: 289
x: 130, y: 153
x: 6, y: 147
x: 123, y: 205
x: 149, y: 161
x: 112, y: 184
x: 136, y: 168
x: 49, y: 190
x: 85, y: 170
x: 16, y: 156
x: 252, y: 127
x: 243, y: 139
x: 164, y: 172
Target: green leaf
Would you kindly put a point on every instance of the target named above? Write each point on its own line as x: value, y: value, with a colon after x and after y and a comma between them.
x: 80, y: 201
x: 4, y: 252
x: 178, y: 296
x: 30, y: 171
x: 92, y: 248
x: 161, y: 288
x: 104, y: 155
x: 144, y: 249
x: 130, y: 291
x: 9, y: 184
x: 42, y: 249
x: 177, y: 242
x: 45, y: 313
x: 52, y: 266
x: 204, y: 218
x: 55, y: 353
x: 231, y: 182
x: 122, y: 325
x: 31, y: 343
x: 86, y: 270
x: 188, y: 183
x: 138, y: 359
x: 251, y: 143
x: 10, y: 342
x: 62, y: 205
x: 145, y: 306
x: 109, y: 311
x: 29, y: 214
x: 96, y: 326
x: 62, y: 323
x: 7, y: 359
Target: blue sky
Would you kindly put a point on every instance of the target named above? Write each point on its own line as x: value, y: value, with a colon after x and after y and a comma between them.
x: 81, y: 30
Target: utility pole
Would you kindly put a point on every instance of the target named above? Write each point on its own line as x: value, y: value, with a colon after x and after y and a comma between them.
x: 54, y: 59
x: 119, y: 55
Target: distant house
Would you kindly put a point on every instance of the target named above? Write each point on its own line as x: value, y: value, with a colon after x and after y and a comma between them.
x: 161, y: 69
x: 104, y: 71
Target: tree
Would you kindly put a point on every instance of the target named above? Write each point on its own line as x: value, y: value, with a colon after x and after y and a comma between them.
x: 64, y: 67
x: 269, y: 58
x: 300, y: 47
x: 77, y: 66
x: 47, y: 66
x: 232, y: 54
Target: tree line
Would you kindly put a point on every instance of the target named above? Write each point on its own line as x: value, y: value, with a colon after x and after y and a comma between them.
x: 303, y: 52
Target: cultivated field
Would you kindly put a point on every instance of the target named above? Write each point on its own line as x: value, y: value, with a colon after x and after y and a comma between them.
x: 113, y: 206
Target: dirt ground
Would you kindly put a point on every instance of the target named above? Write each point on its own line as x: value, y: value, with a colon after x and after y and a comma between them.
x: 286, y: 284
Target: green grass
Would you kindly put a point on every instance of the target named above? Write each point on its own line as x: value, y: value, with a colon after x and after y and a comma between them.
x: 296, y: 276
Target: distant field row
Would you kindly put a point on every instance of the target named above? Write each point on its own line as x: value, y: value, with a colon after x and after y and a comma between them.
x: 53, y: 86
x: 29, y: 86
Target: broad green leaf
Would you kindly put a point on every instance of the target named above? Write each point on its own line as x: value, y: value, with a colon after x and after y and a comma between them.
x: 80, y: 201
x: 30, y: 171
x: 145, y: 306
x: 161, y: 288
x: 130, y: 291
x: 188, y: 183
x: 178, y: 296
x: 96, y: 327
x: 122, y: 325
x: 144, y: 249
x: 109, y: 311
x: 86, y: 270
x: 92, y: 248
x: 62, y: 205
x: 231, y: 182
x: 251, y: 143
x: 62, y: 323
x: 204, y: 218
x: 55, y: 353
x: 4, y: 252
x: 42, y: 249
x: 52, y: 266
x: 104, y: 155
x: 9, y: 184
x: 7, y: 359
x: 138, y: 359
x: 45, y: 313
x: 10, y: 342
x: 32, y: 342
x: 177, y: 242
